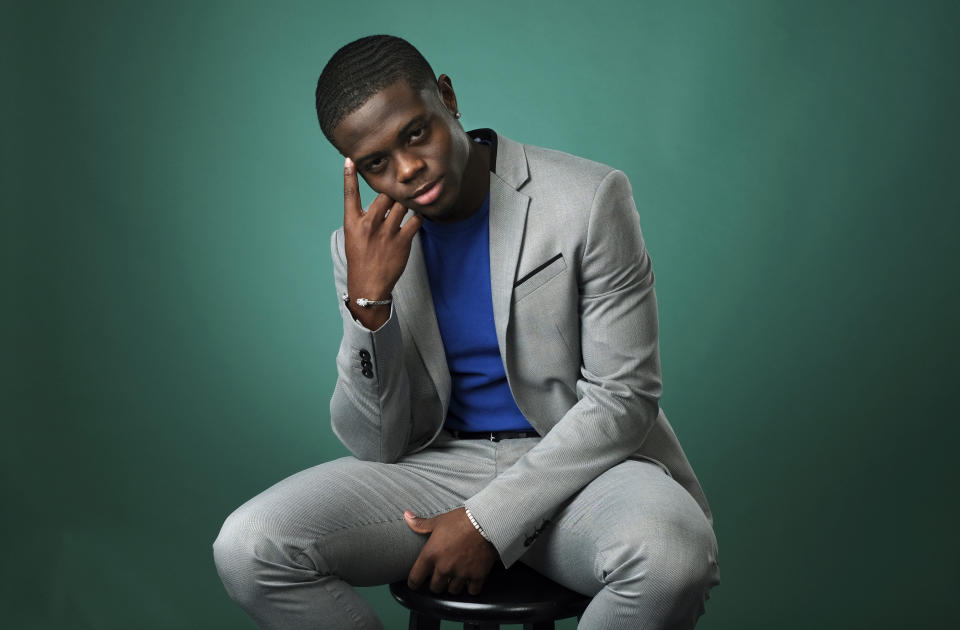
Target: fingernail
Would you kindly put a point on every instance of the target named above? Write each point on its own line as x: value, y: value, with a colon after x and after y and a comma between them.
x: 348, y: 163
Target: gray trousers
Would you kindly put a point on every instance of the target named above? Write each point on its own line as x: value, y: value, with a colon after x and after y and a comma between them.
x: 633, y: 539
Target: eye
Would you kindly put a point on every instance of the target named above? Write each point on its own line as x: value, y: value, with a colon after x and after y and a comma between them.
x: 375, y: 164
x: 418, y: 133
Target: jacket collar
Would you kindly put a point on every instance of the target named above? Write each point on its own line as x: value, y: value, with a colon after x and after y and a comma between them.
x: 509, y: 159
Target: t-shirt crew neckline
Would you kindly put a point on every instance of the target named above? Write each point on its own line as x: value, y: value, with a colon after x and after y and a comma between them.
x: 440, y: 230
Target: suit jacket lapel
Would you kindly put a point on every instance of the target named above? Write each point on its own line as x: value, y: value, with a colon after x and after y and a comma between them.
x: 508, y: 218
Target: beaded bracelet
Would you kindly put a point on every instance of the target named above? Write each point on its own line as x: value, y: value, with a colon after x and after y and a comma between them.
x: 476, y: 524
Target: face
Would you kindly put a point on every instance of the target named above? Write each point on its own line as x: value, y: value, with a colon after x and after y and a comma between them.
x: 408, y: 145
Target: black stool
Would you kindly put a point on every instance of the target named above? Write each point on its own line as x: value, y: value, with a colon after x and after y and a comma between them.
x: 517, y: 595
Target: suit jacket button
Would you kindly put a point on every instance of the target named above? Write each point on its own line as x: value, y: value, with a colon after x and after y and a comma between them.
x: 364, y: 355
x: 366, y: 365
x: 528, y: 541
x: 366, y: 372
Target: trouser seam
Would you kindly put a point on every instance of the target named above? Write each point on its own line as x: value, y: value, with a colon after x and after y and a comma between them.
x: 356, y: 617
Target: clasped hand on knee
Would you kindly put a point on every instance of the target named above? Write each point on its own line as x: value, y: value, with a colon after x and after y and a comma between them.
x: 455, y: 555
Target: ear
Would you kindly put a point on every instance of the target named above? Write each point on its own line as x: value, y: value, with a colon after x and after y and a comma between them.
x: 447, y: 95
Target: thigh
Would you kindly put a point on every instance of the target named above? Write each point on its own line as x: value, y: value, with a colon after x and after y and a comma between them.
x: 345, y: 517
x: 632, y: 515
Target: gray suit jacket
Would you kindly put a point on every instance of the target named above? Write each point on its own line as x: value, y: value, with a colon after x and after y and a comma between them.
x: 576, y: 319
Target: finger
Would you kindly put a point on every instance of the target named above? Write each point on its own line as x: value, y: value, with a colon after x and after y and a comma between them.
x: 417, y: 524
x: 378, y: 209
x: 475, y: 586
x: 412, y: 225
x: 351, y: 191
x: 439, y: 582
x: 421, y: 570
x: 396, y: 216
x: 456, y: 585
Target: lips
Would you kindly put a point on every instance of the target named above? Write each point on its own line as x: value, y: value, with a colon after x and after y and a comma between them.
x: 428, y: 193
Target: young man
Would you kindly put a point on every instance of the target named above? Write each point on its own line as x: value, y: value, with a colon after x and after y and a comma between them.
x: 492, y: 290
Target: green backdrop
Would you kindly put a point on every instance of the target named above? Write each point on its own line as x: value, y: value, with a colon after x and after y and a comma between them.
x: 170, y: 322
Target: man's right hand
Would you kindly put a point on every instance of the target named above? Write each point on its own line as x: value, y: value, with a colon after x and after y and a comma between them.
x: 377, y: 248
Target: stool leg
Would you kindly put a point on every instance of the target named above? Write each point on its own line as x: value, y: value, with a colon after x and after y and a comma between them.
x: 419, y: 621
x: 481, y: 625
x: 539, y: 625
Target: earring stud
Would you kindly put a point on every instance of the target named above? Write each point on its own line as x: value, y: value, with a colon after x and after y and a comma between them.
x: 457, y: 115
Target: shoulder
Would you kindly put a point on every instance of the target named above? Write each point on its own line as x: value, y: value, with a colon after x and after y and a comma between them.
x: 576, y: 180
x: 336, y: 239
x: 566, y: 189
x: 552, y: 163
x: 337, y: 248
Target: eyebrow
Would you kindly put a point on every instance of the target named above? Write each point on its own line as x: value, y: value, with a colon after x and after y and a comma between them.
x: 419, y: 118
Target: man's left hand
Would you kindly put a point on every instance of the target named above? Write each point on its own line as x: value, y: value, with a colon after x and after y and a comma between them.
x: 456, y: 555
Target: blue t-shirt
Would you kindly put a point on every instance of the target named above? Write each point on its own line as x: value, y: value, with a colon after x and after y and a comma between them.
x: 457, y: 257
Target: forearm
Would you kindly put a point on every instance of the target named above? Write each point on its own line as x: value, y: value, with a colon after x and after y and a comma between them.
x: 591, y: 438
x: 370, y: 406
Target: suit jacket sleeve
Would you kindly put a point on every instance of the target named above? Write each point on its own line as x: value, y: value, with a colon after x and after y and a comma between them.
x: 619, y: 386
x: 370, y: 415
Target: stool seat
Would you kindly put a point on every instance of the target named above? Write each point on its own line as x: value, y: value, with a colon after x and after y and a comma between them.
x: 516, y: 595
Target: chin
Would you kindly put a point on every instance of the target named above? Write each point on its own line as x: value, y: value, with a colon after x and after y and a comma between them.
x: 436, y: 211
x: 437, y: 214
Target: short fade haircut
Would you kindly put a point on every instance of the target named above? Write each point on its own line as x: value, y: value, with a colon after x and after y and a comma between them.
x: 361, y: 69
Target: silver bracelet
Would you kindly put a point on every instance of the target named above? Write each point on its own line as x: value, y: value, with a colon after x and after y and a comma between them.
x: 476, y: 524
x: 364, y: 302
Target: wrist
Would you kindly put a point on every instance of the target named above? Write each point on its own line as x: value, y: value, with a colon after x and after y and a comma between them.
x: 476, y: 525
x: 373, y: 309
x: 364, y: 302
x: 369, y: 288
x: 371, y: 317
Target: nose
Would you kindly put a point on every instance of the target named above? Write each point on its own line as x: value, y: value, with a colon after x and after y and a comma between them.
x: 408, y: 167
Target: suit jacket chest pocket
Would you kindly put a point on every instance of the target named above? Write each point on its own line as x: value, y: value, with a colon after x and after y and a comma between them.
x: 544, y: 323
x: 538, y: 276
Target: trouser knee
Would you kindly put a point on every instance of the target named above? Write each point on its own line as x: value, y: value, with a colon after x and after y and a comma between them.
x: 674, y: 565
x: 247, y: 550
